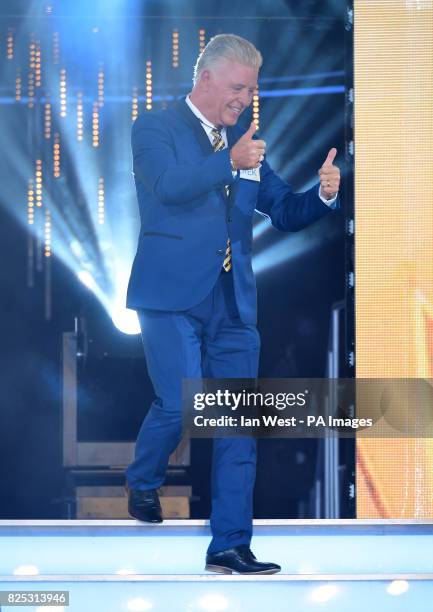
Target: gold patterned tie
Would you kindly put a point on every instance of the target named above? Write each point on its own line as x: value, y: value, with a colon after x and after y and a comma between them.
x: 218, y: 145
x: 218, y: 142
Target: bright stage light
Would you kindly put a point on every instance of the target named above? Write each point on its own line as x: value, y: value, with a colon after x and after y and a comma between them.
x: 26, y: 570
x: 77, y: 204
x: 125, y: 320
x: 324, y: 593
x: 398, y: 587
x: 87, y: 279
x: 78, y: 198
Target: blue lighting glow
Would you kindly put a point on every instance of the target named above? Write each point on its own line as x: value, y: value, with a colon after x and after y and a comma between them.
x: 97, y: 241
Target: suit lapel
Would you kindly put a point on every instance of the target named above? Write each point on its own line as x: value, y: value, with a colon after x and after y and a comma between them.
x: 194, y: 122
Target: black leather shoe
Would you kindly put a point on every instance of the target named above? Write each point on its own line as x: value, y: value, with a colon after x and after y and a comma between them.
x: 239, y: 559
x: 144, y: 505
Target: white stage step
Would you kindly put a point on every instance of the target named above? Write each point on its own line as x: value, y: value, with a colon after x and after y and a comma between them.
x: 349, y: 565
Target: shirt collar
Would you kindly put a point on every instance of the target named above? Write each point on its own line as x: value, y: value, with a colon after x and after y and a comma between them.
x: 200, y: 115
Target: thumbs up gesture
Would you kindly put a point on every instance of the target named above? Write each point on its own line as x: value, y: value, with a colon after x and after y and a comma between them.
x: 247, y: 153
x: 329, y: 177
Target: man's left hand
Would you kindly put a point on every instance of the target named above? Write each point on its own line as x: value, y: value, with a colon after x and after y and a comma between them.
x: 329, y: 177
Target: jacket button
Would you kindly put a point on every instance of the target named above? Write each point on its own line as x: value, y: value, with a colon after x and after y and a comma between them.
x: 220, y: 252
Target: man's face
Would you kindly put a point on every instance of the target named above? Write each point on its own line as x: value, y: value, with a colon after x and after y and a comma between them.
x: 230, y: 87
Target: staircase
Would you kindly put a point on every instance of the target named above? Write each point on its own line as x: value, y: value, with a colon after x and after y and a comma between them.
x: 115, y: 566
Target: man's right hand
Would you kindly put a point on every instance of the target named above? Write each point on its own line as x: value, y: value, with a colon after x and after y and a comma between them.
x: 248, y: 153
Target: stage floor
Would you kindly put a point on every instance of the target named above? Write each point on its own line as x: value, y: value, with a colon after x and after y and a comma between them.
x: 346, y: 565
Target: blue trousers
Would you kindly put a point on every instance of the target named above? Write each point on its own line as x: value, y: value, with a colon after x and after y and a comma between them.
x: 206, y: 341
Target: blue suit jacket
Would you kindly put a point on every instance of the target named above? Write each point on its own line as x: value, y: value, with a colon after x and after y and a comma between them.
x: 186, y: 216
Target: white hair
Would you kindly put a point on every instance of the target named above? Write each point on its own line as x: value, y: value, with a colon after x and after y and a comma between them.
x: 230, y: 47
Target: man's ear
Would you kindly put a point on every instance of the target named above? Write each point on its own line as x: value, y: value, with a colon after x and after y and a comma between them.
x: 205, y: 79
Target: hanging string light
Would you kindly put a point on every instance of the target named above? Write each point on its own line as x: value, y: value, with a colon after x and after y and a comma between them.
x: 201, y: 39
x: 56, y: 48
x: 95, y: 125
x: 31, y: 74
x: 148, y: 85
x: 18, y: 85
x: 30, y: 202
x: 256, y: 109
x: 10, y: 44
x: 134, y: 111
x: 63, y: 92
x: 101, y: 201
x: 47, y: 120
x: 56, y: 155
x: 38, y: 79
x: 38, y: 183
x: 47, y: 233
x: 80, y: 112
x: 101, y: 86
x: 175, y: 48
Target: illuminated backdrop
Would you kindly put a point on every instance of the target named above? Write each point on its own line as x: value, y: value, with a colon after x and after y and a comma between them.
x: 394, y: 237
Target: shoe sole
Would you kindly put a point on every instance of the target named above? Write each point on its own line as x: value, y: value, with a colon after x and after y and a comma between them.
x: 142, y: 520
x: 220, y: 569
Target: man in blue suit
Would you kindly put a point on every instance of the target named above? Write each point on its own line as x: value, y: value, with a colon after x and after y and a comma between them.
x: 199, y: 177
